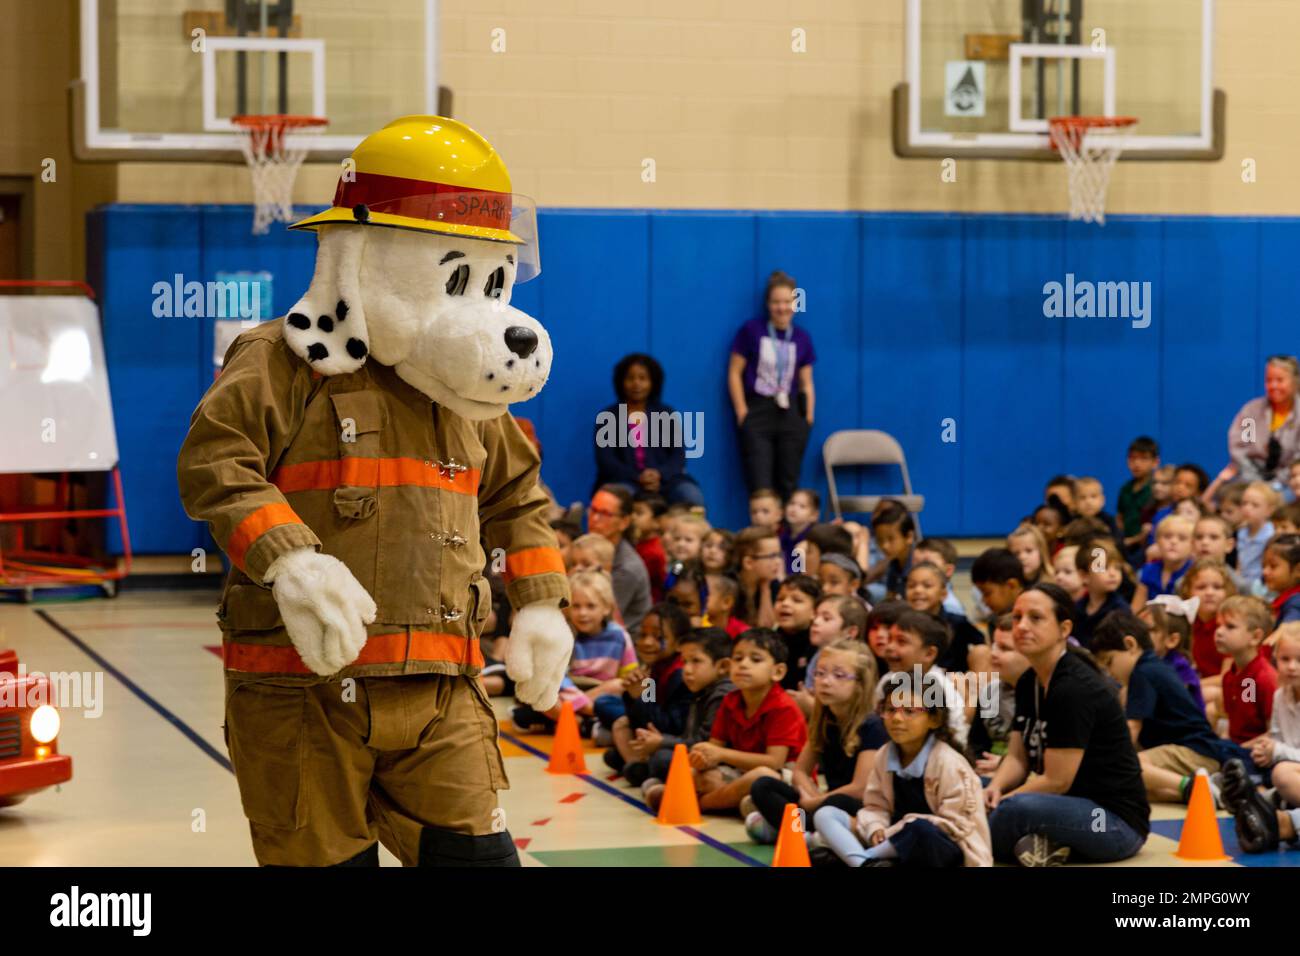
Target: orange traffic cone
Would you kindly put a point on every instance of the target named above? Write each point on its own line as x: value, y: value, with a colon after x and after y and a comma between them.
x: 680, y: 806
x: 566, y: 751
x: 791, y: 850
x: 1201, y: 840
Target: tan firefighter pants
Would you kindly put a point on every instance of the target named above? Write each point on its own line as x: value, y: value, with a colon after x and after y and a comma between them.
x: 325, y: 770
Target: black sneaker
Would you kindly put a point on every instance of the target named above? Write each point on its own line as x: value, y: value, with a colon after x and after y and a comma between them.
x: 1254, y: 818
x: 614, y: 760
x: 824, y: 856
x: 1034, y: 849
x: 879, y: 862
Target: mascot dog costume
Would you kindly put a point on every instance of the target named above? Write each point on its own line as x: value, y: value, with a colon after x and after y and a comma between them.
x: 358, y: 465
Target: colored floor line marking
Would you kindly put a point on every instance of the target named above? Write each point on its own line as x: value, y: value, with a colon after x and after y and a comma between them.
x: 194, y: 737
x: 632, y: 802
x: 572, y: 798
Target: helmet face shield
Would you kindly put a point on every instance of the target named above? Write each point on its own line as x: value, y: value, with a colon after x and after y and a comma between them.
x: 528, y: 252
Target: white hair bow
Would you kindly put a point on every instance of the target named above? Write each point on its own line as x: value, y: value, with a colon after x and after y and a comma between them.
x: 1176, y: 605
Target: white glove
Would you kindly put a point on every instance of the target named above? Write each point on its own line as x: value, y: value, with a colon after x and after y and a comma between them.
x: 541, y: 644
x: 325, y: 608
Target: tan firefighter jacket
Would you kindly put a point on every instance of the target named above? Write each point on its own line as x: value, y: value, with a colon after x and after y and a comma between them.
x: 412, y: 497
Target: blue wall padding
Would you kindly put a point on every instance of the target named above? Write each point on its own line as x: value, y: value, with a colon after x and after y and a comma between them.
x: 918, y: 318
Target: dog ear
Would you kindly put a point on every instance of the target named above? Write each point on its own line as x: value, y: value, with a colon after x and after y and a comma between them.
x: 326, y: 328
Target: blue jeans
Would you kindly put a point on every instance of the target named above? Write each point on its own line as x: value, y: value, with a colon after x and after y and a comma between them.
x: 1092, y: 832
x: 681, y: 489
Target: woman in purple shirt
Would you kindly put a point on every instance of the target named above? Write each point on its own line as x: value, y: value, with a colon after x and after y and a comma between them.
x: 771, y: 384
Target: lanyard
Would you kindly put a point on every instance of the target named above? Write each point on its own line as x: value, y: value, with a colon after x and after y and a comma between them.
x: 781, y: 357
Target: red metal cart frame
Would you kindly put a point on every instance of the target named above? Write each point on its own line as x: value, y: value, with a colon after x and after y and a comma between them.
x: 26, y: 570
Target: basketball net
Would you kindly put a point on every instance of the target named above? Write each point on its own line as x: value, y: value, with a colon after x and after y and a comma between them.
x: 1090, y: 147
x: 273, y: 164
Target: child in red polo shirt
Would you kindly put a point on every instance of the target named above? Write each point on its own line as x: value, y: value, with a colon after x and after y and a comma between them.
x: 758, y: 726
x: 1250, y: 683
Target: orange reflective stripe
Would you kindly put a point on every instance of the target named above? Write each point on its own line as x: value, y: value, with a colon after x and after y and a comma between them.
x: 372, y: 472
x: 533, y: 561
x: 379, y: 649
x: 254, y: 526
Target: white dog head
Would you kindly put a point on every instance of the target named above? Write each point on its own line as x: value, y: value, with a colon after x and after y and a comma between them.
x: 435, y: 307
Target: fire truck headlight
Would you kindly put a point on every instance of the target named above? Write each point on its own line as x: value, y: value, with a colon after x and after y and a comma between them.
x: 45, y: 724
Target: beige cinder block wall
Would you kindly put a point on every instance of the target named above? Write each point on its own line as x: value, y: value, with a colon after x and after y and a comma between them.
x: 37, y: 61
x: 587, y: 90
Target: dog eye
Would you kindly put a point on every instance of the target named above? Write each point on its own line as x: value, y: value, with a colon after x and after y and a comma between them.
x: 459, y: 279
x: 496, y: 283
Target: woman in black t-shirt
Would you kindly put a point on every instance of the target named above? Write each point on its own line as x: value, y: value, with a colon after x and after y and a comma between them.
x: 1070, y: 783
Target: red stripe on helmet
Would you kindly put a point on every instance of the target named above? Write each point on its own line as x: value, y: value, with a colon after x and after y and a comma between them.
x: 420, y: 199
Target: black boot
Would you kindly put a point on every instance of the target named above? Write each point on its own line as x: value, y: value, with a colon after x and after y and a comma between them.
x: 1255, y: 818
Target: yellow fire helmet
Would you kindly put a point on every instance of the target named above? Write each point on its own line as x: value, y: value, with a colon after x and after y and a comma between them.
x: 434, y: 174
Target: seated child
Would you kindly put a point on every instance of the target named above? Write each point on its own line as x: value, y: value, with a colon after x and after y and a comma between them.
x: 1280, y: 573
x: 796, y: 602
x: 706, y: 658
x: 1033, y: 551
x: 758, y: 554
x: 686, y: 590
x: 1250, y: 684
x: 894, y: 532
x: 843, y: 683
x: 716, y: 554
x: 1213, y: 537
x: 1258, y: 502
x: 967, y: 650
x: 1261, y: 823
x: 801, y: 513
x: 941, y: 552
x: 999, y: 577
x: 720, y: 605
x: 684, y: 545
x: 1170, y: 732
x: 1067, y: 572
x: 765, y: 510
x: 655, y: 696
x: 1286, y: 520
x: 835, y: 618
x: 989, y: 734
x: 1102, y: 568
x: 758, y: 726
x: 1170, y: 620
x: 591, y: 552
x: 566, y: 532
x: 647, y: 508
x: 840, y: 574
x: 880, y: 619
x: 1090, y: 502
x: 1174, y: 545
x: 602, y: 652
x: 821, y: 541
x: 923, y: 805
x: 916, y: 641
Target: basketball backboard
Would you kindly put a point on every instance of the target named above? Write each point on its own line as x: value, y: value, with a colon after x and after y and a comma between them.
x: 161, y: 78
x: 983, y: 77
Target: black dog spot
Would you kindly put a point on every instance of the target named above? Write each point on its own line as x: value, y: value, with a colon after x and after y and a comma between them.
x: 317, y: 352
x: 325, y: 324
x: 299, y: 321
x: 341, y: 310
x: 357, y: 348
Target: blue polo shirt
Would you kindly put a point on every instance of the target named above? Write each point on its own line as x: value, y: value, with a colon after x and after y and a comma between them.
x: 1151, y: 575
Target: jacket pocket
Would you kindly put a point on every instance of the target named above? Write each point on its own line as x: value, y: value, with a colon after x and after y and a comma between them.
x: 265, y: 733
x: 360, y: 418
x: 249, y: 607
x: 481, y: 595
x: 351, y: 501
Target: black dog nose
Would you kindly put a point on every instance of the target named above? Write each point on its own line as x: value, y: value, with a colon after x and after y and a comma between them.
x: 521, y: 341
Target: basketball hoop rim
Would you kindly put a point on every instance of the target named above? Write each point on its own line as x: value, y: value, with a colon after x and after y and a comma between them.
x: 278, y: 122
x: 1076, y: 127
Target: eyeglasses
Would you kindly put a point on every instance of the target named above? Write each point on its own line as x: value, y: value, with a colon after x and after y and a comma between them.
x: 835, y: 675
x: 602, y: 513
